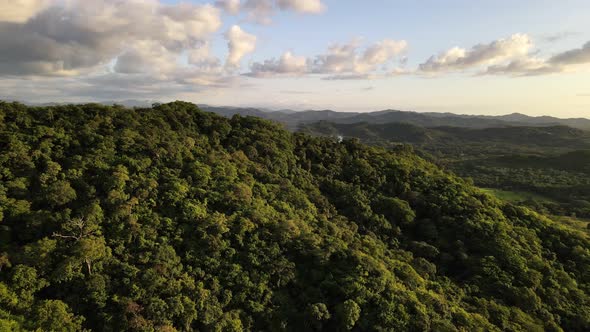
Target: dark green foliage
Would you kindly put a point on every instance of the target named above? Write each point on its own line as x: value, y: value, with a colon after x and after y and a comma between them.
x: 170, y: 218
x: 457, y: 142
x: 560, y: 183
x: 551, y: 163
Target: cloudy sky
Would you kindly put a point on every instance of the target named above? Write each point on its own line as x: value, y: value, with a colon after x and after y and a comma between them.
x: 462, y: 56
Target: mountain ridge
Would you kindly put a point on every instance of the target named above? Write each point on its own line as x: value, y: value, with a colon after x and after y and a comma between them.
x: 294, y: 119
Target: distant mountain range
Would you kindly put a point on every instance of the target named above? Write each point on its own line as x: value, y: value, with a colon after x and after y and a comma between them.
x: 294, y: 119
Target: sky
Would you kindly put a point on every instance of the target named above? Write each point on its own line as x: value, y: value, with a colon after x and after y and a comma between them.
x: 460, y: 56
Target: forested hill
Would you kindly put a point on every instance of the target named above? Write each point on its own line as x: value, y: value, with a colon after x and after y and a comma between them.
x: 454, y: 141
x: 170, y: 218
x: 545, y: 168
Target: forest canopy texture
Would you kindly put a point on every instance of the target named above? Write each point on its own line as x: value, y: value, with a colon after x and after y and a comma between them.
x: 173, y: 219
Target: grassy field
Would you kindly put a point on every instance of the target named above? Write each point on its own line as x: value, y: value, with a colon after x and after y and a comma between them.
x: 579, y: 224
x: 574, y: 223
x: 514, y: 196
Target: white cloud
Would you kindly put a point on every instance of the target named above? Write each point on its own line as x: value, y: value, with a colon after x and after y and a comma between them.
x: 347, y: 58
x: 400, y: 71
x: 239, y: 43
x: 19, y: 11
x: 103, y: 49
x: 354, y: 76
x: 526, y: 66
x: 144, y: 57
x: 288, y: 64
x: 558, y: 36
x: 186, y: 21
x: 573, y: 57
x: 339, y: 58
x: 380, y: 53
x: 511, y: 56
x: 261, y: 10
x: 341, y: 61
x: 74, y: 37
x: 561, y: 62
x: 456, y: 58
x: 230, y: 6
x: 302, y: 6
x: 201, y: 57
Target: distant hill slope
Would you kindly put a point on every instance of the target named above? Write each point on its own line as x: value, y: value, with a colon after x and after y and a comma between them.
x: 457, y: 140
x: 550, y: 161
x: 577, y: 161
x: 293, y: 119
x: 546, y: 120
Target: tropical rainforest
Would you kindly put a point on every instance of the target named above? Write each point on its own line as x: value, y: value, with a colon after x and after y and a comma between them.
x: 173, y: 219
x: 546, y: 168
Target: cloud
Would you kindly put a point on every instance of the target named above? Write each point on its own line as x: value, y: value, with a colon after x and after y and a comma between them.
x: 346, y: 59
x: 340, y: 62
x: 302, y: 6
x: 456, y: 58
x: 145, y: 56
x: 338, y: 59
x: 73, y: 37
x: 530, y: 66
x: 131, y: 48
x: 296, y: 92
x: 239, y: 43
x: 19, y: 11
x: 288, y: 64
x: 400, y: 71
x: 347, y: 77
x: 555, y: 37
x: 573, y: 57
x: 511, y: 56
x: 229, y: 6
x: 115, y: 86
x: 135, y: 48
x: 522, y: 67
x: 104, y: 49
x: 383, y: 51
x: 261, y: 10
x: 201, y: 57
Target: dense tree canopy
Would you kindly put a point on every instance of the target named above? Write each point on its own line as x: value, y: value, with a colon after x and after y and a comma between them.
x: 544, y: 168
x: 169, y: 218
